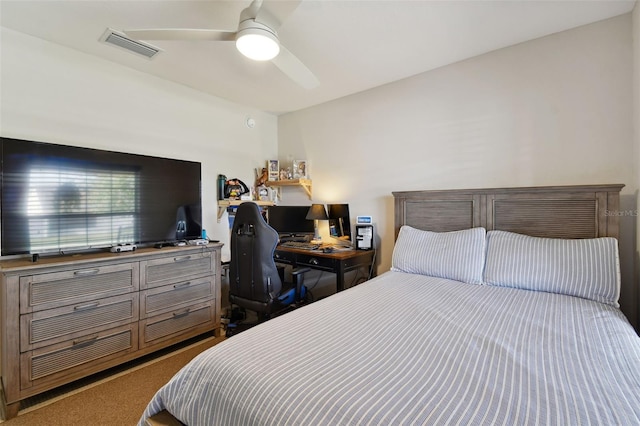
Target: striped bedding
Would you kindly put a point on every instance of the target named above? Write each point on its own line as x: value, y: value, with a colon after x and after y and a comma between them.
x: 412, y: 349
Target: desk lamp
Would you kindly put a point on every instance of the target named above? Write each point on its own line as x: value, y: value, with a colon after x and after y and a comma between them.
x: 317, y: 212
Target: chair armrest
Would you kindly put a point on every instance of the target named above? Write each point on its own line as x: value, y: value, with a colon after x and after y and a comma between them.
x: 299, y: 271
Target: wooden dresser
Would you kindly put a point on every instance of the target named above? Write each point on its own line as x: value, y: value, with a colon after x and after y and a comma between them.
x: 67, y: 317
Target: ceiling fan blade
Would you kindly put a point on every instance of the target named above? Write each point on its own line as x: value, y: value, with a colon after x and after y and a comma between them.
x: 181, y: 34
x: 295, y: 69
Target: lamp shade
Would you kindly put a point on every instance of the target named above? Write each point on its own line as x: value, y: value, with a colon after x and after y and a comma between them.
x: 317, y: 212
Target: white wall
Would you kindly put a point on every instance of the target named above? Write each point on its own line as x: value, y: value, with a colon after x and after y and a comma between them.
x: 553, y: 111
x: 54, y: 94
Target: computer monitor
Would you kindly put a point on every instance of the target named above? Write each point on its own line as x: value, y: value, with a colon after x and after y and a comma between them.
x: 290, y: 221
x: 339, y: 221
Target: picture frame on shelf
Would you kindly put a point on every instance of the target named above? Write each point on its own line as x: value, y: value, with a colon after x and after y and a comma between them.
x: 273, y: 167
x: 263, y: 194
x: 284, y: 175
x: 300, y: 169
x: 274, y: 195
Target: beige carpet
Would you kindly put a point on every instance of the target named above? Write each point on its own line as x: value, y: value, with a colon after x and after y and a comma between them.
x: 118, y: 399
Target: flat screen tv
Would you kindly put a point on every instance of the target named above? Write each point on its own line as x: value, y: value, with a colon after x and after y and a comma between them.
x: 57, y: 199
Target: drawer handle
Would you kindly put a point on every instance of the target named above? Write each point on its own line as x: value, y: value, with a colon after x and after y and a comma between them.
x: 183, y: 285
x: 277, y: 256
x: 313, y: 261
x: 86, y: 272
x: 85, y: 341
x: 87, y: 306
x: 181, y: 314
x: 181, y: 259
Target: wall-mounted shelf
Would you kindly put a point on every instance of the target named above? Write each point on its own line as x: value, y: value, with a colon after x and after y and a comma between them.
x: 303, y: 183
x: 223, y: 204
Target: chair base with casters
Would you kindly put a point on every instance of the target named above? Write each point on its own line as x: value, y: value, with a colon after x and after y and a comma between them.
x: 240, y: 321
x: 256, y: 283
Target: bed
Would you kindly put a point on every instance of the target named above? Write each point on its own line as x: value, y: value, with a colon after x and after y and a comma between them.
x: 486, y: 317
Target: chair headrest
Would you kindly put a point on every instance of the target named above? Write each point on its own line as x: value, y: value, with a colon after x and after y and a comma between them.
x: 249, y: 221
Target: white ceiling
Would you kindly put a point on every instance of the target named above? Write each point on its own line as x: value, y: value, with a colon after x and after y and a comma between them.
x: 350, y: 45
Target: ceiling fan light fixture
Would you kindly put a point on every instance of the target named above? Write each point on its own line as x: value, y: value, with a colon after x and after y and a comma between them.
x: 259, y: 44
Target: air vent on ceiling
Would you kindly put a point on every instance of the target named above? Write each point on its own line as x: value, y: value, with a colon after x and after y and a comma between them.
x: 117, y: 38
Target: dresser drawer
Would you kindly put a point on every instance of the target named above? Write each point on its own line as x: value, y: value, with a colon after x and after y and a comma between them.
x: 189, y: 321
x: 55, y: 325
x: 300, y: 259
x: 364, y: 260
x: 284, y: 257
x: 54, y: 289
x: 78, y: 357
x: 317, y: 262
x: 170, y: 297
x: 176, y: 268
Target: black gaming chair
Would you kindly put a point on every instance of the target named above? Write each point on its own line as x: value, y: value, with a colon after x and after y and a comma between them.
x: 255, y: 282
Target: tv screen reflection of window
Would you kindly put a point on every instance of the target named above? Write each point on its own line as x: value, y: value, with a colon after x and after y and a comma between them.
x: 58, y: 198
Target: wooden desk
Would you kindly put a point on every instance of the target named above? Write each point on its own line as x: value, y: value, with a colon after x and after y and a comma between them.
x: 338, y: 262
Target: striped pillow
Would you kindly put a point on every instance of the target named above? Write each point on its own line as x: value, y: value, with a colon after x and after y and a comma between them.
x: 457, y: 255
x: 586, y: 268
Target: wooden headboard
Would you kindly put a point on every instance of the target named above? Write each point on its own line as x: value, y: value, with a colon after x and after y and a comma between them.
x: 585, y: 211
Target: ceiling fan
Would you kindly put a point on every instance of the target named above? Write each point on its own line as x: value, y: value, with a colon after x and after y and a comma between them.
x: 256, y: 38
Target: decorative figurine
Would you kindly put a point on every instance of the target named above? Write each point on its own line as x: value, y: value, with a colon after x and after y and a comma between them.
x: 261, y: 179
